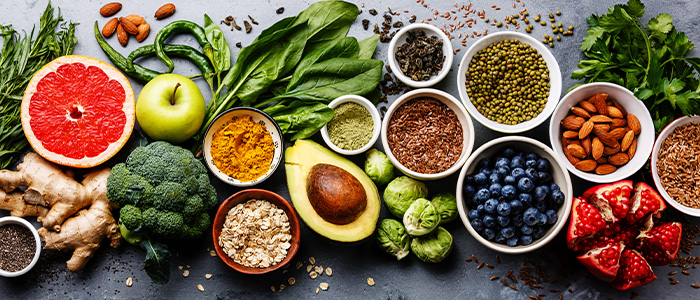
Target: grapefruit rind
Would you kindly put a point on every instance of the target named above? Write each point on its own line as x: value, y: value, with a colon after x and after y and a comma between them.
x: 127, y: 107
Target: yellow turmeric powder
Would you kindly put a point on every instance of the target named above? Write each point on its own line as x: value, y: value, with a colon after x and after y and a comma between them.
x: 242, y: 149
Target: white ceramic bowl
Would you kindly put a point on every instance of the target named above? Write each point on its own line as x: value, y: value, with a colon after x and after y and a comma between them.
x: 464, y: 120
x: 400, y: 39
x: 554, y: 81
x: 37, y: 240
x: 624, y: 97
x: 372, y: 111
x: 258, y: 117
x: 559, y: 175
x: 655, y: 171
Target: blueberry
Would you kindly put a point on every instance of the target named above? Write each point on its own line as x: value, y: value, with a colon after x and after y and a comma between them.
x: 503, y: 172
x: 516, y: 206
x: 507, y: 232
x: 490, y: 206
x: 557, y: 197
x: 540, y: 194
x: 486, y: 171
x: 481, y: 179
x: 532, y: 155
x: 517, y: 173
x: 503, y: 209
x: 542, y: 219
x: 538, y: 232
x: 473, y: 214
x: 502, y: 221
x: 495, y: 189
x: 542, y: 165
x: 541, y: 206
x: 553, y: 187
x: 543, y: 178
x: 525, y: 239
x: 512, y: 242
x: 530, y: 217
x: 532, y: 173
x: 525, y: 184
x: 480, y: 209
x: 499, y: 238
x: 551, y: 216
x: 493, y: 178
x: 484, y: 163
x: 518, y: 220
x: 546, y: 189
x: 509, y: 180
x: 517, y: 162
x: 468, y: 190
x: 530, y: 163
x: 489, y: 221
x: 508, y: 191
x: 526, y: 199
x: 508, y: 152
x: 482, y: 195
x: 469, y: 179
x: 477, y: 224
x: 526, y: 229
x: 488, y: 234
x: 502, y: 162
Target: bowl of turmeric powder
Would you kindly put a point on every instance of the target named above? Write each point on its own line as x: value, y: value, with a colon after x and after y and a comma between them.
x: 243, y: 146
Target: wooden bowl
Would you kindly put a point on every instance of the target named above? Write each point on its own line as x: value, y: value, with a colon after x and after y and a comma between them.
x: 242, y: 197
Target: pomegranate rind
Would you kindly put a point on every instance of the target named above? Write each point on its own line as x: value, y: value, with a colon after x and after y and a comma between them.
x: 127, y: 108
x: 594, y: 265
x: 627, y: 276
x: 616, y: 208
x: 661, y: 251
x: 637, y: 211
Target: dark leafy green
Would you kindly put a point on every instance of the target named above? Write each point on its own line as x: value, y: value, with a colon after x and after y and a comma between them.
x: 650, y: 61
x: 157, y: 262
x: 327, y: 21
x: 367, y: 47
x: 301, y: 119
x: 343, y: 47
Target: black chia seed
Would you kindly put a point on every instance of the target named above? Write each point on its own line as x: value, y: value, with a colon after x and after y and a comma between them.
x: 17, y: 247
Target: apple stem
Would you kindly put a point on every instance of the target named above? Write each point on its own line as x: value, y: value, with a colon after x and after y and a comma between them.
x: 172, y: 99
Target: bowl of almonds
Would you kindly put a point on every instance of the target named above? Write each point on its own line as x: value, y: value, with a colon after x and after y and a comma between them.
x: 256, y: 231
x: 602, y: 132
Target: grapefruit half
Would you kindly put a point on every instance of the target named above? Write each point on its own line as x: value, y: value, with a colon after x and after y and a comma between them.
x: 78, y: 111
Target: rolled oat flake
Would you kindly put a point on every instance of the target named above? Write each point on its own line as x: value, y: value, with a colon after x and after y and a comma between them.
x: 17, y: 247
x: 351, y: 127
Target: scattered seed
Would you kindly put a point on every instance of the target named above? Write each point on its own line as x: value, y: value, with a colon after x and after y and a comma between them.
x: 129, y: 282
x: 252, y: 20
x: 329, y: 272
x: 282, y: 286
x: 309, y: 268
x: 312, y: 260
x: 299, y: 264
x: 489, y: 266
x: 370, y: 281
x: 513, y: 287
x: 481, y: 265
x: 474, y: 258
x: 323, y: 286
x: 317, y: 289
x: 280, y: 10
x: 179, y: 268
x: 313, y: 275
x: 201, y: 288
x: 207, y: 276
x: 695, y: 286
x: 494, y: 277
x: 319, y: 269
x: 673, y: 282
x: 212, y: 253
x: 558, y: 13
x: 504, y: 282
x: 186, y: 273
x: 468, y: 259
x: 239, y: 45
x: 291, y: 281
x: 498, y: 259
x: 686, y: 272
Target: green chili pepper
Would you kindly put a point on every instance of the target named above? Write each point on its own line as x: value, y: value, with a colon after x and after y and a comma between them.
x: 184, y: 51
x: 136, y: 72
x: 176, y: 27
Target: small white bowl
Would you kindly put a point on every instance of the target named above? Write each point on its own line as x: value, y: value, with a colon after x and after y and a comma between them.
x: 464, y: 120
x: 37, y: 240
x: 400, y: 39
x: 559, y: 176
x: 554, y: 81
x: 624, y: 97
x: 655, y: 171
x: 372, y: 111
x: 259, y: 117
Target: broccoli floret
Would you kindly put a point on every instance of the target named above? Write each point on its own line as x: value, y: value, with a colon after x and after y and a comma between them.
x: 169, y: 196
x: 198, y: 226
x: 169, y: 225
x: 207, y: 192
x: 193, y: 208
x: 130, y: 217
x: 124, y: 188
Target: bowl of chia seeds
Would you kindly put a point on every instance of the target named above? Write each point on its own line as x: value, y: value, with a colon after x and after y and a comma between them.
x: 20, y: 247
x: 509, y: 82
x: 420, y: 55
x: 355, y: 126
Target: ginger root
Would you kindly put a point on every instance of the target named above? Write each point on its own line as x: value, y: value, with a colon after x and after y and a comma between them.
x: 59, y: 202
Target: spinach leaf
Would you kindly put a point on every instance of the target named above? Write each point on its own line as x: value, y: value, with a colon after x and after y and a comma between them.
x: 220, y: 55
x: 327, y: 21
x: 367, y: 47
x: 343, y: 47
x: 301, y: 119
x: 157, y: 262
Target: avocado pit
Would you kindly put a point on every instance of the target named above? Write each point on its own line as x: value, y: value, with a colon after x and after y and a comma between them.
x: 335, y: 194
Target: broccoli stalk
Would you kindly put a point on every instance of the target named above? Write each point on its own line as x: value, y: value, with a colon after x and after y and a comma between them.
x: 157, y: 262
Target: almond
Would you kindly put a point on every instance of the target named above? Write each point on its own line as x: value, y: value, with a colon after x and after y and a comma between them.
x: 573, y: 160
x: 580, y: 112
x: 165, y: 11
x: 110, y: 27
x: 617, y: 123
x: 613, y: 112
x: 571, y: 123
x: 570, y: 134
x: 619, y: 159
x: 601, y: 127
x: 597, y: 148
x: 586, y: 129
x: 605, y: 169
x: 144, y: 30
x: 618, y: 133
x: 573, y: 142
x: 110, y: 9
x: 135, y: 19
x: 633, y: 148
x: 627, y: 140
x: 611, y: 150
x: 586, y: 144
x: 600, y: 119
x: 122, y: 36
x: 577, y: 151
x: 602, y: 160
x: 634, y: 124
x: 607, y: 139
x: 599, y: 101
x: 618, y: 106
x: 589, y: 107
x: 586, y: 165
x: 128, y: 26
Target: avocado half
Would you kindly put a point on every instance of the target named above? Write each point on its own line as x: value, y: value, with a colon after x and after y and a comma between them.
x: 332, y: 195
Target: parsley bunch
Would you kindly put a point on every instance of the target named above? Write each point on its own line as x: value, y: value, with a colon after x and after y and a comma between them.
x: 650, y: 61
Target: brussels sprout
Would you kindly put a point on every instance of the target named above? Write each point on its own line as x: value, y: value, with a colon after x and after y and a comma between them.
x: 421, y: 218
x: 401, y: 192
x: 446, y: 205
x: 379, y: 167
x: 433, y: 247
x: 393, y: 238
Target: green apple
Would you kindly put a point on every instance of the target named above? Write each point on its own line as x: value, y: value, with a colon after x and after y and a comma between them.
x: 170, y: 108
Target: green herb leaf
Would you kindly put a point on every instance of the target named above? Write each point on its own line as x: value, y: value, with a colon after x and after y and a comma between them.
x: 301, y: 119
x: 634, y: 8
x: 157, y: 262
x: 220, y: 56
x: 367, y: 47
x: 661, y: 25
x: 594, y: 33
x: 327, y: 21
x: 344, y: 47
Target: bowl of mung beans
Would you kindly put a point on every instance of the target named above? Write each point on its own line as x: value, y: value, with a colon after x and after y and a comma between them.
x: 674, y: 164
x: 509, y: 82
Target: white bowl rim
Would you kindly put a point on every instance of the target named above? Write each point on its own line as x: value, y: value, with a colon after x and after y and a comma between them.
x: 375, y: 129
x: 622, y: 172
x: 447, y: 51
x: 562, y: 219
x: 228, y: 179
x: 22, y: 222
x: 468, y: 128
x: 655, y: 158
x: 555, y: 80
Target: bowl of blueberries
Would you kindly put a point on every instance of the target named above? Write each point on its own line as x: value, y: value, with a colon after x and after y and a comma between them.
x: 514, y: 194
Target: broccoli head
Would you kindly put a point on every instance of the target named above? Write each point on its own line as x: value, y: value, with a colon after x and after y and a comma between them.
x: 130, y: 217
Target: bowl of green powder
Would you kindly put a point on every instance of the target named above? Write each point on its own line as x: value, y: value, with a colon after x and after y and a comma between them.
x: 355, y: 126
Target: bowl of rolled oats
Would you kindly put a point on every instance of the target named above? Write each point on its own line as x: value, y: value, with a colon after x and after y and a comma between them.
x: 256, y: 231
